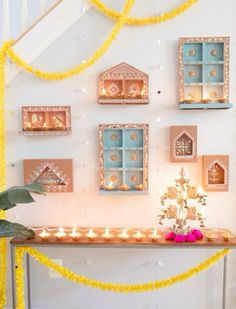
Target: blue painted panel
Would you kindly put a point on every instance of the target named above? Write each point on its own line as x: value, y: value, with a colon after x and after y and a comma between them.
x: 212, y: 105
x: 213, y: 73
x: 133, y: 158
x: 113, y: 138
x: 214, y: 52
x: 133, y: 178
x: 133, y: 138
x: 114, y: 177
x: 112, y: 158
x: 193, y: 73
x: 192, y: 52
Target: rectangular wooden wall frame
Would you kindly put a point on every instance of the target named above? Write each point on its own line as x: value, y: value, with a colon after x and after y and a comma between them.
x: 204, y: 73
x: 123, y: 159
x: 46, y: 120
x: 123, y: 84
x: 55, y: 174
x: 215, y: 172
x: 183, y: 143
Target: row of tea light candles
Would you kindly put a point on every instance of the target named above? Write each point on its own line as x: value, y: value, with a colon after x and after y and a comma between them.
x: 124, y: 187
x: 123, y: 235
x: 91, y: 235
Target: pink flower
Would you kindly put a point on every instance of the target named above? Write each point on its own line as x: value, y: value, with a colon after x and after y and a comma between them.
x: 190, y: 238
x: 170, y: 236
x: 180, y: 238
x: 198, y: 234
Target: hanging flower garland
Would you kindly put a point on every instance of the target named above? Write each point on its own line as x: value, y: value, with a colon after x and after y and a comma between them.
x: 107, y: 286
x: 83, y: 66
x: 135, y: 21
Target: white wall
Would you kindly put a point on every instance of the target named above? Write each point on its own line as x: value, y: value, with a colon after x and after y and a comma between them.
x: 216, y: 135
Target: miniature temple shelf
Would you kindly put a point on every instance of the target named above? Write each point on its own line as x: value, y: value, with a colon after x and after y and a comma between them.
x: 123, y: 158
x: 183, y: 143
x: 46, y: 120
x: 204, y: 73
x: 54, y: 174
x: 123, y: 84
x: 215, y: 172
x: 175, y: 205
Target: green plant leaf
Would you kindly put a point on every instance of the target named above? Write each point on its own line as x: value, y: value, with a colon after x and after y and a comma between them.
x: 19, y: 195
x: 9, y: 229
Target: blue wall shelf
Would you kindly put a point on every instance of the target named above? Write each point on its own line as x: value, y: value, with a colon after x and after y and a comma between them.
x: 123, y: 158
x: 204, y: 73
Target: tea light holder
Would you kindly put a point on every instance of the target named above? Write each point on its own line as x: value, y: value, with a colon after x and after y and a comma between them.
x: 124, y: 187
x: 60, y: 235
x: 124, y: 235
x: 154, y: 235
x: 74, y: 234
x: 227, y: 236
x: 109, y: 187
x: 107, y: 235
x: 139, y: 236
x: 210, y: 236
x: 91, y: 235
x: 139, y: 187
x: 44, y: 235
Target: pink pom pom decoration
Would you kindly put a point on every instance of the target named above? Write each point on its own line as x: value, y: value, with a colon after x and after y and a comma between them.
x: 190, y: 238
x: 180, y: 238
x: 198, y: 234
x: 170, y: 236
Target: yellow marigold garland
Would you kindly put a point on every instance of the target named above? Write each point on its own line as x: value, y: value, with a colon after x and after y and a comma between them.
x: 114, y: 287
x: 135, y: 21
x: 3, y: 242
x: 83, y: 66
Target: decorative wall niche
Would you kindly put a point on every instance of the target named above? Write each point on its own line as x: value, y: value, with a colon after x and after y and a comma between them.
x: 215, y: 173
x: 54, y: 174
x: 123, y: 84
x: 123, y: 158
x: 46, y: 120
x: 204, y: 73
x: 183, y: 143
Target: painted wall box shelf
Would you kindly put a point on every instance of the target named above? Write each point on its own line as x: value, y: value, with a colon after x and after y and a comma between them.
x: 123, y: 84
x: 54, y: 174
x: 183, y: 143
x: 46, y: 120
x: 215, y: 172
x: 123, y: 158
x: 204, y: 73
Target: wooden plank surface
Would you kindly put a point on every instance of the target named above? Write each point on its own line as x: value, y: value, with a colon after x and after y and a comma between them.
x: 132, y: 241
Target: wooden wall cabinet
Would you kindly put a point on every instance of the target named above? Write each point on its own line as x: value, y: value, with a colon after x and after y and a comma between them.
x: 215, y: 172
x: 204, y: 73
x: 123, y: 158
x: 123, y: 84
x: 183, y: 143
x: 46, y: 120
x: 55, y: 174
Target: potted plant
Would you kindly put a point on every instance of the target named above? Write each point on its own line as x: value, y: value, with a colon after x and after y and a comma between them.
x: 9, y: 199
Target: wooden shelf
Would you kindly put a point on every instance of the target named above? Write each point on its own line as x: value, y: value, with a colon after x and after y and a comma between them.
x: 212, y: 105
x: 117, y: 242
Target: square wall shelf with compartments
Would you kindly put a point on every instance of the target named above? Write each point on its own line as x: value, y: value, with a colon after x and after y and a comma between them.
x: 123, y: 158
x: 183, y: 143
x: 123, y: 84
x: 204, y: 73
x: 54, y: 174
x: 46, y: 120
x: 215, y: 172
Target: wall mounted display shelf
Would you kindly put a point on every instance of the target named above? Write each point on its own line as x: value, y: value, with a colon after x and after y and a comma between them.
x: 46, y: 120
x: 123, y: 84
x: 183, y: 143
x: 215, y: 172
x: 123, y: 158
x: 54, y: 174
x: 204, y: 73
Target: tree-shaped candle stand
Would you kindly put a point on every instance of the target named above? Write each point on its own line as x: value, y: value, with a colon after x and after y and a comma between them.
x: 179, y: 204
